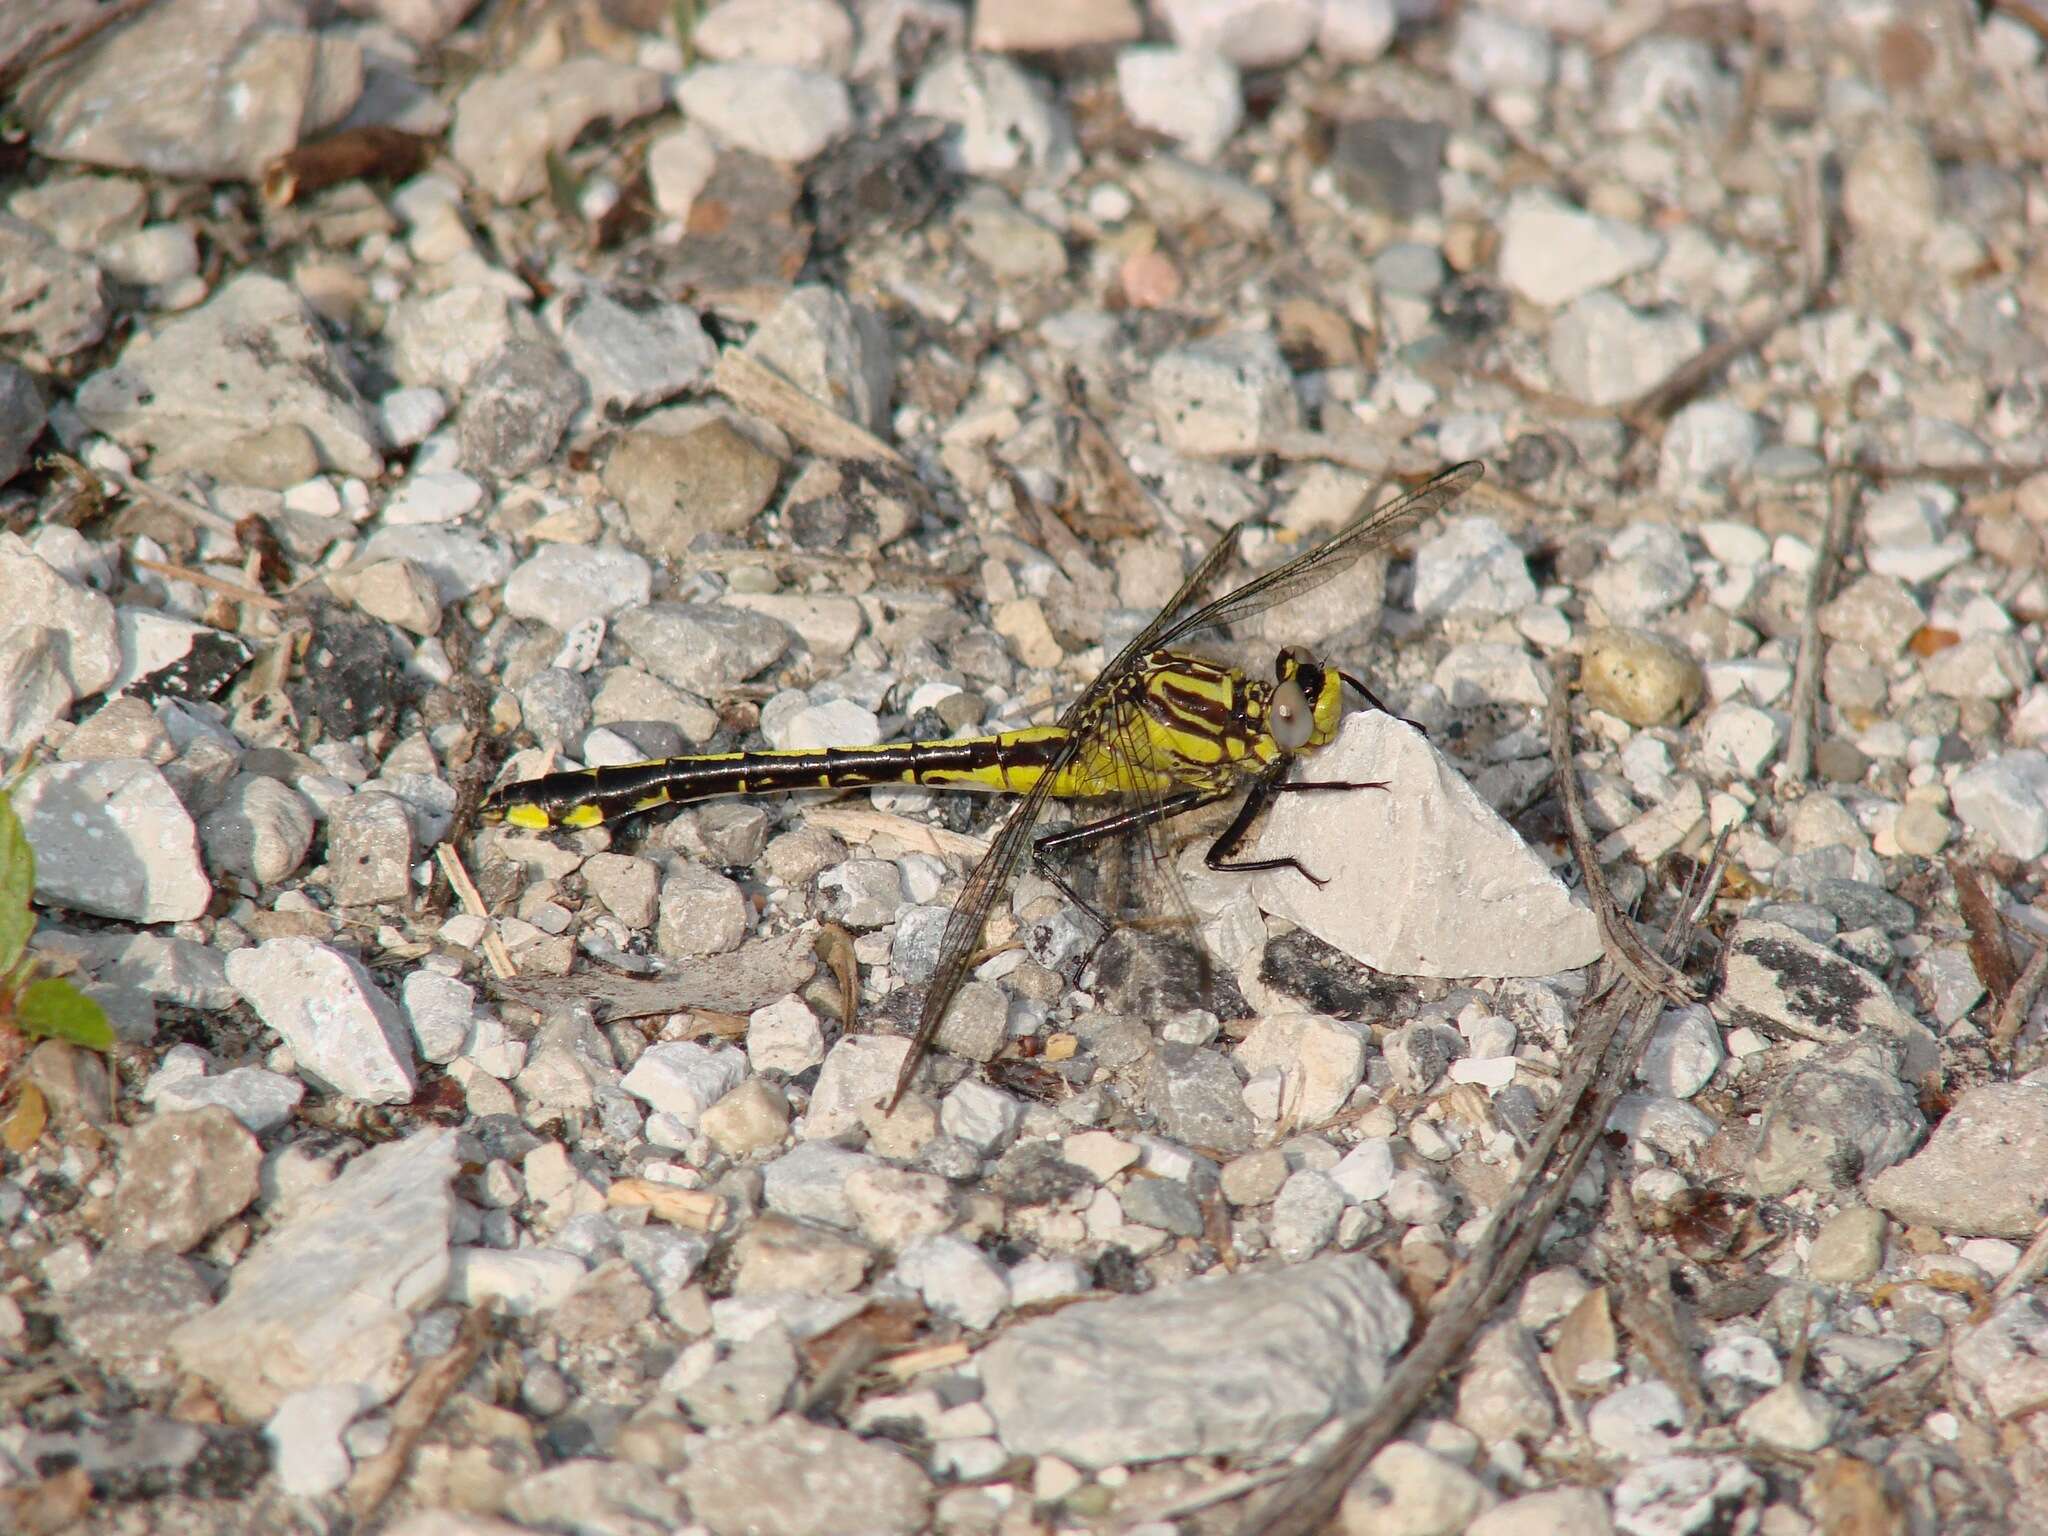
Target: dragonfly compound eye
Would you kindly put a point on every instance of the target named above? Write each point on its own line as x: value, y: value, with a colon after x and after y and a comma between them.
x: 1293, y: 721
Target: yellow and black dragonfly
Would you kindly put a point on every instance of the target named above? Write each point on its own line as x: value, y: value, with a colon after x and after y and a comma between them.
x: 1165, y: 730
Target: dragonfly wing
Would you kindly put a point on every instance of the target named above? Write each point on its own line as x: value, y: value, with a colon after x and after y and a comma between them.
x: 961, y: 940
x: 1314, y: 567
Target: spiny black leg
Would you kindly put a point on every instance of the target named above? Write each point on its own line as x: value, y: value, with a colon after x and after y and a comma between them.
x: 1089, y: 833
x: 1262, y: 792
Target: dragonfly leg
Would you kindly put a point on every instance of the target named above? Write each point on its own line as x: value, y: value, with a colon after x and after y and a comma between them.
x: 1068, y: 839
x: 1262, y: 792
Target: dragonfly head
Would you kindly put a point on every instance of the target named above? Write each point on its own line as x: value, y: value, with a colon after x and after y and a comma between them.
x: 1308, y: 701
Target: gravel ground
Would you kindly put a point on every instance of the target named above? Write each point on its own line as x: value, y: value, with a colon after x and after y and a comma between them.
x: 403, y: 398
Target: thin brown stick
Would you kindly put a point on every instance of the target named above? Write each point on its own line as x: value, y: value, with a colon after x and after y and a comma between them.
x: 1807, y: 667
x: 1599, y: 1069
x: 414, y: 1413
x: 1649, y: 411
x: 1625, y: 946
x: 2012, y: 1015
x: 473, y: 903
x: 753, y: 386
x: 1990, y: 955
x: 209, y: 582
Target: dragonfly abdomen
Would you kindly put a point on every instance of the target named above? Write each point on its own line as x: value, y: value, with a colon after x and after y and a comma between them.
x: 585, y: 797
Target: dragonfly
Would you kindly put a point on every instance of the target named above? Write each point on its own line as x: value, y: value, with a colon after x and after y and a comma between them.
x: 1165, y: 731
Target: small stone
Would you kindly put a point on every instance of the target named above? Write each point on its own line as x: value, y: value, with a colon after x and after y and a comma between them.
x: 1849, y: 1247
x: 260, y: 830
x: 812, y: 111
x: 796, y: 1478
x: 1356, y: 31
x: 1738, y: 739
x: 712, y: 480
x: 983, y: 1117
x: 1306, y: 1213
x: 700, y: 648
x: 1366, y: 1172
x: 2004, y: 799
x: 341, y: 1027
x: 683, y: 1078
x: 507, y: 124
x: 1789, y: 1418
x: 396, y: 591
x: 48, y: 296
x: 442, y: 340
x: 1007, y: 119
x: 1196, y: 1098
x: 1320, y: 1060
x: 1552, y: 252
x: 182, y: 1175
x: 518, y: 408
x: 1191, y: 96
x: 1231, y: 394
x: 1008, y: 241
x: 563, y: 584
x: 369, y: 849
x: 751, y: 1118
x: 1502, y: 1394
x: 1138, y: 1378
x: 702, y: 913
x: 275, y: 458
x: 305, y: 1435
x: 1391, y: 165
x: 113, y: 838
x: 1684, y: 1053
x: 1471, y: 568
x: 633, y: 353
x: 955, y: 1278
x: 1833, y: 1123
x: 1640, y: 677
x: 34, y: 692
x: 1255, y: 1177
x: 859, y: 1072
x: 1672, y: 86
x: 440, y: 1010
x: 1604, y: 352
x: 1875, y: 613
x: 1556, y: 1512
x: 127, y: 1306
x: 1707, y: 443
x: 1256, y: 36
x: 785, y: 1037
x: 252, y: 353
x: 2001, y: 1126
x: 1407, y: 1491
x: 834, y: 350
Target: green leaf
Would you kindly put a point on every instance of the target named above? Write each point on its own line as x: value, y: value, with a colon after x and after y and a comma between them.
x: 56, y: 1008
x: 17, y: 885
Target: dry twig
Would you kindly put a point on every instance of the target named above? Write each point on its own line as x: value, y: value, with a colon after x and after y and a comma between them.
x: 1806, y: 669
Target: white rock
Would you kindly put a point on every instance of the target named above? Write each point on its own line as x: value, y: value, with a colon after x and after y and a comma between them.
x: 1320, y: 1061
x: 1192, y: 97
x: 811, y: 111
x: 1356, y: 31
x: 955, y: 1278
x: 1684, y: 1053
x: 2005, y: 800
x: 343, y: 1030
x: 1228, y: 394
x: 523, y: 1282
x: 784, y: 1037
x: 1422, y: 878
x: 804, y: 34
x: 1552, y: 252
x: 112, y: 837
x: 305, y: 1436
x: 1253, y: 34
x: 507, y: 124
x: 683, y: 1078
x: 1007, y: 119
x: 1472, y: 567
x: 1366, y: 1172
x: 1603, y: 352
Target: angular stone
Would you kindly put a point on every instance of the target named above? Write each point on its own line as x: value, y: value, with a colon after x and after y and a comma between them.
x: 1138, y: 1378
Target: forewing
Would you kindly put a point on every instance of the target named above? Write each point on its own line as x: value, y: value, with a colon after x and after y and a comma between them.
x: 961, y: 940
x: 1312, y: 568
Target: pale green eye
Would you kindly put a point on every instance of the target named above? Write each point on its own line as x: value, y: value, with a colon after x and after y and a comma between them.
x: 1293, y: 723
